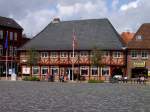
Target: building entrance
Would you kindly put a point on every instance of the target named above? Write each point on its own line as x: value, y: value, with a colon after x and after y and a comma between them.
x: 136, y: 72
x: 69, y: 73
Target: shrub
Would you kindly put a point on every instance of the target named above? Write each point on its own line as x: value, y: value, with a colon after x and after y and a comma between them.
x: 95, y: 81
x: 29, y: 78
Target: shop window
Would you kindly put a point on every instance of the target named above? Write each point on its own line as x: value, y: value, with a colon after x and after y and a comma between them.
x: 44, y: 54
x: 84, y: 71
x: 44, y: 70
x: 144, y: 54
x: 1, y: 34
x: 35, y: 70
x: 105, y: 71
x: 117, y: 54
x: 134, y: 54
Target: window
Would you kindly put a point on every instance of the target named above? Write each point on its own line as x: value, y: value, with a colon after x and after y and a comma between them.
x: 144, y: 54
x: 94, y: 70
x: 15, y: 36
x: 139, y: 37
x: 105, y: 53
x: 44, y: 54
x: 10, y: 50
x: 83, y: 54
x: 116, y: 54
x: 54, y: 70
x: 71, y: 54
x: 1, y: 34
x: 53, y: 54
x: 63, y: 54
x: 105, y: 71
x: 84, y: 71
x: 134, y: 54
x: 35, y: 70
x: 1, y: 50
x: 44, y: 70
x: 11, y: 35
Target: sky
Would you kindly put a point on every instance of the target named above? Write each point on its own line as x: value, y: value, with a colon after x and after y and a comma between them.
x: 34, y: 15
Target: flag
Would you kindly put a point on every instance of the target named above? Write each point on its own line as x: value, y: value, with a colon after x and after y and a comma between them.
x: 6, y: 41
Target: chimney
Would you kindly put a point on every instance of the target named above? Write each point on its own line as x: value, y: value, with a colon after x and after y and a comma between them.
x: 56, y: 20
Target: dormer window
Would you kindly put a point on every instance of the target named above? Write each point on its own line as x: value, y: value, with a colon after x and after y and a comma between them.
x: 139, y: 37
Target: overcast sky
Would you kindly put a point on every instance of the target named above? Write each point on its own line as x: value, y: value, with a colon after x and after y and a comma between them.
x: 34, y: 15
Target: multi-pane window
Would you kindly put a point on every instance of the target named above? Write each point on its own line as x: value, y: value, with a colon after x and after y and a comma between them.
x: 83, y: 53
x: 44, y: 54
x: 63, y: 54
x: 11, y: 35
x: 35, y: 70
x: 134, y: 54
x: 84, y: 71
x: 44, y: 70
x: 15, y: 36
x: 144, y: 54
x: 105, y: 71
x: 53, y: 54
x: 1, y: 50
x: 117, y: 54
x: 11, y: 50
x: 94, y: 70
x: 105, y: 53
x: 1, y: 34
x: 75, y: 54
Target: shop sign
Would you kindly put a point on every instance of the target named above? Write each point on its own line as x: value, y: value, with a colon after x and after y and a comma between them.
x: 139, y: 64
x: 26, y: 70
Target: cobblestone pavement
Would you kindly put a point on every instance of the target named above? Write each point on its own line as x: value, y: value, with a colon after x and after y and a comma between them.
x: 73, y: 97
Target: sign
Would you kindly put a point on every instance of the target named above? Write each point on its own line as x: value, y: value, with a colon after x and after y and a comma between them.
x: 149, y: 73
x: 139, y: 64
x: 25, y: 70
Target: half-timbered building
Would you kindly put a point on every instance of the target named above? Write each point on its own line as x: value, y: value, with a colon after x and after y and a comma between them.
x: 54, y: 45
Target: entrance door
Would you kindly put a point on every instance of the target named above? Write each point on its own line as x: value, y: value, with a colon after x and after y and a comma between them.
x: 69, y: 73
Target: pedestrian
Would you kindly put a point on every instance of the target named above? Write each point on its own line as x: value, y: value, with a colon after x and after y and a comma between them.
x: 142, y: 79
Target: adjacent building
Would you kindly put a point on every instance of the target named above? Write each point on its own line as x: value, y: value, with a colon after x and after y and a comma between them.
x: 138, y: 58
x: 54, y: 47
x: 14, y: 31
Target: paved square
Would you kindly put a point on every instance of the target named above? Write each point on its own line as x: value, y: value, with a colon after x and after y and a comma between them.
x: 73, y: 97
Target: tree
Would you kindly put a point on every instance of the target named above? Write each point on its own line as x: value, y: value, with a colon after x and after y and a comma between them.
x: 96, y: 58
x: 33, y: 58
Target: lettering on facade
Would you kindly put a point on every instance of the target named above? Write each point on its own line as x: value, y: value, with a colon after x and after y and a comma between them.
x: 139, y: 64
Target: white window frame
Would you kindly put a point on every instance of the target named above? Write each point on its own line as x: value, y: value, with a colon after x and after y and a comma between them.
x: 84, y: 68
x: 54, y: 54
x: 1, y: 34
x: 116, y: 54
x: 44, y: 54
x: 145, y: 56
x: 75, y: 54
x: 44, y: 67
x: 15, y: 36
x: 35, y: 67
x: 54, y: 68
x: 105, y: 68
x: 134, y: 54
x: 63, y: 54
x: 95, y: 68
x: 11, y: 35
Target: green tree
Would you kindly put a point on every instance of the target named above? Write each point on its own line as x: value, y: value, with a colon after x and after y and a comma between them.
x: 33, y: 58
x: 96, y: 58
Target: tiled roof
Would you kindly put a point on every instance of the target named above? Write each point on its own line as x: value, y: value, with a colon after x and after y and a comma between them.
x: 89, y: 33
x: 9, y: 22
x: 141, y: 39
